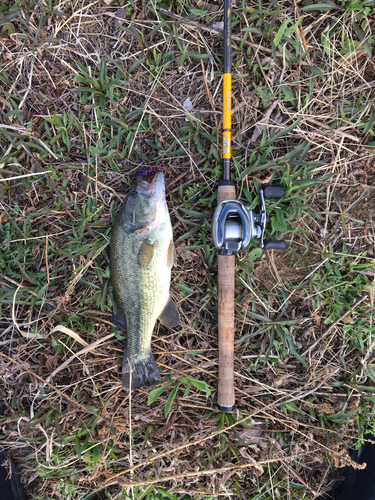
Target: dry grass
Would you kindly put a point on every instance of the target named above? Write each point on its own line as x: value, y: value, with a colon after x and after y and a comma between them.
x: 89, y: 94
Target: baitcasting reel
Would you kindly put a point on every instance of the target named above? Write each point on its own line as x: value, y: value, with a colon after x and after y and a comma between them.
x: 234, y: 225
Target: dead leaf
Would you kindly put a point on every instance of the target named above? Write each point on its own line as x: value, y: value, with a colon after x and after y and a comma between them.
x: 267, y: 179
x: 258, y: 467
x: 120, y: 16
x: 253, y: 389
x: 211, y: 7
x: 145, y: 419
x: 282, y: 380
x: 185, y: 254
x: 253, y: 436
x: 371, y: 290
x: 142, y: 14
x: 82, y: 351
x: 348, y: 320
x: 263, y: 122
x: 52, y: 361
x: 68, y: 331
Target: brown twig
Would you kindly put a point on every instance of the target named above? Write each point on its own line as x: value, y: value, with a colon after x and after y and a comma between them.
x: 221, y: 470
x: 39, y: 166
x: 215, y: 31
x: 208, y: 90
x: 290, y: 469
x: 86, y: 410
x: 324, y: 334
x: 168, y: 452
x: 300, y: 29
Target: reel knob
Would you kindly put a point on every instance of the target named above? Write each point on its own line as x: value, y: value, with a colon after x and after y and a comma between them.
x: 274, y: 245
x: 274, y: 192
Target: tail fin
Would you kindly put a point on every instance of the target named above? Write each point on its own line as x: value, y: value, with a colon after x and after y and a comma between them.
x: 140, y: 369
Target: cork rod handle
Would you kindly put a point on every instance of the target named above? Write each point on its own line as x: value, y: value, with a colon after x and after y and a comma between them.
x: 226, y: 282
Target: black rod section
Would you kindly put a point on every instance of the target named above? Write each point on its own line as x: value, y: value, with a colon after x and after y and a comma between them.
x: 228, y: 34
x: 226, y: 169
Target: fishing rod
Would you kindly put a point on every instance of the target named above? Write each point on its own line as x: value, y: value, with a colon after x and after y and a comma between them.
x: 234, y: 226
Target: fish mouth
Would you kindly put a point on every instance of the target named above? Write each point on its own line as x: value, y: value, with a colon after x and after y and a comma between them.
x: 150, y: 182
x: 148, y: 173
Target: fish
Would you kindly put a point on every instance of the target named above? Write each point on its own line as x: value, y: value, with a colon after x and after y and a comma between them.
x: 142, y: 254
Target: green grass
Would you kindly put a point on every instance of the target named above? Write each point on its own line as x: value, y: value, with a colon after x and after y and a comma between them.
x: 89, y: 94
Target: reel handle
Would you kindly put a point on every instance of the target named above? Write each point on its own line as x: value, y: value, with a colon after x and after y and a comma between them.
x: 274, y: 245
x: 271, y: 192
x: 274, y: 192
x: 226, y: 283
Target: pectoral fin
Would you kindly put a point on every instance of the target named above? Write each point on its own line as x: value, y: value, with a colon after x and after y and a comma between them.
x: 170, y: 317
x: 145, y: 254
x: 171, y: 255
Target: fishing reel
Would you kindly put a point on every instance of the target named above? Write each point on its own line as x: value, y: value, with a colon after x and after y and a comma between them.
x: 234, y: 225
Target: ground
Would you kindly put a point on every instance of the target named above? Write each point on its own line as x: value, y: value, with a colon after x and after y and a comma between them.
x: 91, y: 92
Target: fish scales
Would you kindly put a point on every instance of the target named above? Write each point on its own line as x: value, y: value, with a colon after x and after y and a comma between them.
x: 144, y: 291
x: 141, y: 261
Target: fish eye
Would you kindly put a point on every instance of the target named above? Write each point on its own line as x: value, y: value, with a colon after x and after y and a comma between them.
x: 133, y: 194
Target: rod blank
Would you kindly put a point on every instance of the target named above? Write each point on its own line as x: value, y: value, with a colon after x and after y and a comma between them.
x: 226, y: 263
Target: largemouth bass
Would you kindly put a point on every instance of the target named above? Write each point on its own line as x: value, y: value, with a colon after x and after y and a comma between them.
x: 142, y: 255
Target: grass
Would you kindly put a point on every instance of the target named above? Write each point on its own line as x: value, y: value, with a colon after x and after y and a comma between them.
x: 91, y: 92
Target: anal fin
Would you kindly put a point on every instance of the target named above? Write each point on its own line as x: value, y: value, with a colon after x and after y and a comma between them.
x: 118, y: 320
x: 170, y: 317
